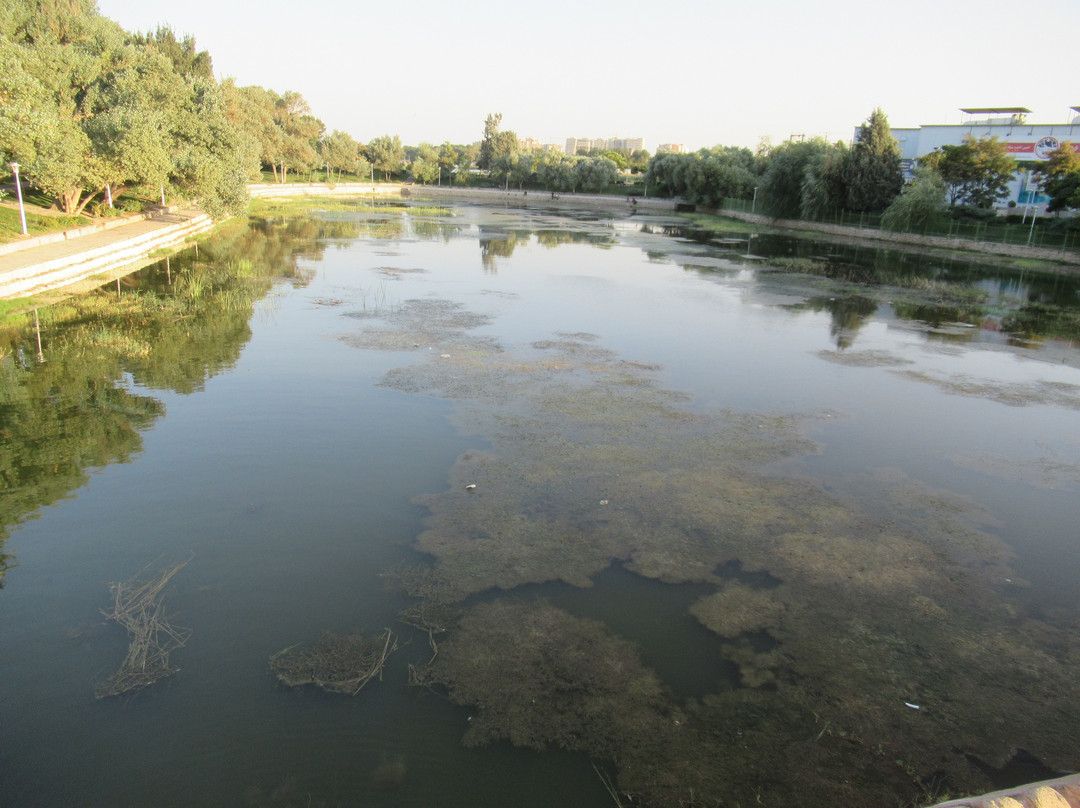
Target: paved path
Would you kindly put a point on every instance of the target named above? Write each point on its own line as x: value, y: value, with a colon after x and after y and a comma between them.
x: 87, y: 252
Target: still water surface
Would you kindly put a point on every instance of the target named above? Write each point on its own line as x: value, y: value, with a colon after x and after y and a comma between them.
x: 714, y: 446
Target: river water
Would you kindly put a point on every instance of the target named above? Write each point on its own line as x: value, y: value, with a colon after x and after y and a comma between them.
x: 689, y: 516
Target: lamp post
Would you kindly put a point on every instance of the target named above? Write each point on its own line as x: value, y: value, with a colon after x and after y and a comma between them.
x: 18, y: 192
x: 753, y: 205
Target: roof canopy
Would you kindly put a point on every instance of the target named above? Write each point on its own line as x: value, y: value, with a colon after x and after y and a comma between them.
x: 1075, y: 109
x: 995, y: 110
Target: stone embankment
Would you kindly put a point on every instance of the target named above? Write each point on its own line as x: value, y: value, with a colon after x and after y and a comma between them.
x: 46, y: 263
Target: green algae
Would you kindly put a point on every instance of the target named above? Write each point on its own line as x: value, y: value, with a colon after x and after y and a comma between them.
x: 897, y: 599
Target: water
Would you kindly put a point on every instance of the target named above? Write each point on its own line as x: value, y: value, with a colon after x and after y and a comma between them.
x: 278, y: 428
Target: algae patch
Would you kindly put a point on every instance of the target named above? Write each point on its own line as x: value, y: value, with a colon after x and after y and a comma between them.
x: 895, y: 597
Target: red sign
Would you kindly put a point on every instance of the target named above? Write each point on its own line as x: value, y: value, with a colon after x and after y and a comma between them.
x: 1040, y: 150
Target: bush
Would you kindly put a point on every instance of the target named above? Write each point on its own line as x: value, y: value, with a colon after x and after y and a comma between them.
x: 971, y: 213
x: 920, y: 204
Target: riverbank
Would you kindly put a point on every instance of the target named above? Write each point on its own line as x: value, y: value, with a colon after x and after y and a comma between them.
x: 95, y: 253
x: 884, y: 238
x: 55, y: 261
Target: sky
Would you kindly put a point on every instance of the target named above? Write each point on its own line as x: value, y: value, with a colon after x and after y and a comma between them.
x: 696, y: 72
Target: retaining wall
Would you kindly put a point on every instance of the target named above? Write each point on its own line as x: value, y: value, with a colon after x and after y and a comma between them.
x: 79, y: 232
x: 64, y: 270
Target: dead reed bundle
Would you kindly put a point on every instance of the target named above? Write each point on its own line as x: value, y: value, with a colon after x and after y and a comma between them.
x: 339, y: 663
x: 138, y: 607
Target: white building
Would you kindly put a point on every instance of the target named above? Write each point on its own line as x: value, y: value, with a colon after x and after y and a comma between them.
x: 576, y: 144
x: 1029, y: 143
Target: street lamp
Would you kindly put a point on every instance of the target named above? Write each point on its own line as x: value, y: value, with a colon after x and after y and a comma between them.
x: 18, y: 191
x: 753, y: 205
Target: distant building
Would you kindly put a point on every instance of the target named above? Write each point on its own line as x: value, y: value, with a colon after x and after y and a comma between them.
x: 587, y: 145
x: 1030, y: 143
x: 575, y: 143
x: 671, y: 148
x: 630, y: 144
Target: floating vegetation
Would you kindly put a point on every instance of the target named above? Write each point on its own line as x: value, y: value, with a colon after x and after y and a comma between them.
x: 901, y: 597
x: 341, y: 663
x: 1015, y: 394
x: 1043, y: 472
x: 138, y: 607
x: 864, y: 359
x: 541, y: 677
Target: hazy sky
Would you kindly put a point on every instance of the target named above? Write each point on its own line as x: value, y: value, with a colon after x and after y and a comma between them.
x: 697, y: 72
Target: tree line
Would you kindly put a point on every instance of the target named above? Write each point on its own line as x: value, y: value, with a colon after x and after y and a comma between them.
x: 91, y: 111
x: 811, y: 178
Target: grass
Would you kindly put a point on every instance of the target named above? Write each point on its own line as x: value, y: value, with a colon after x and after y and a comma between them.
x: 36, y: 223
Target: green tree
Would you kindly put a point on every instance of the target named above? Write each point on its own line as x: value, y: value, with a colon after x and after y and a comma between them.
x: 386, y: 154
x: 619, y: 160
x: 595, y: 174
x: 871, y: 169
x: 187, y: 60
x: 920, y: 203
x: 496, y: 144
x: 300, y: 133
x: 85, y: 105
x: 639, y: 159
x: 425, y: 166
x: 340, y: 152
x: 976, y: 172
x: 1061, y: 178
x: 448, y: 159
x: 802, y: 178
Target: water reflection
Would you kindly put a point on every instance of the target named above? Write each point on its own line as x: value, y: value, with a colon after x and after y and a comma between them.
x: 68, y: 401
x: 762, y: 633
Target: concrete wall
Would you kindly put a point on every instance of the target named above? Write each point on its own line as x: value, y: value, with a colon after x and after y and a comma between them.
x: 53, y: 273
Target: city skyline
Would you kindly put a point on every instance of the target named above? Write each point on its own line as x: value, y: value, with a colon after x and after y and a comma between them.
x: 714, y: 75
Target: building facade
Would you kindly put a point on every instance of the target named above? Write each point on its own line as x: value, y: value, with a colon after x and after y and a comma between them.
x: 1029, y: 143
x: 587, y: 145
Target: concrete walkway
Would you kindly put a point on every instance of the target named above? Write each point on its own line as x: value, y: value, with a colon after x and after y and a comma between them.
x: 43, y: 264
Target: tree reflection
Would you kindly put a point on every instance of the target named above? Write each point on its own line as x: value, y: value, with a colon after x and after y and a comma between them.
x: 65, y: 402
x: 500, y: 245
x: 849, y: 314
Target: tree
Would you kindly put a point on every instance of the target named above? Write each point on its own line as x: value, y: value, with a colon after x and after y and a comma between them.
x: 802, y: 178
x: 639, y: 159
x: 425, y: 166
x: 496, y: 144
x: 919, y: 204
x: 187, y: 60
x: 1061, y: 178
x: 300, y: 133
x: 340, y: 152
x: 871, y: 169
x: 448, y: 159
x: 619, y: 160
x: 976, y: 172
x: 85, y: 106
x: 595, y: 174
x: 386, y: 154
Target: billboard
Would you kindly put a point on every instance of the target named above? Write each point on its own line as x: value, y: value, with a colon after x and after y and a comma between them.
x: 1039, y: 150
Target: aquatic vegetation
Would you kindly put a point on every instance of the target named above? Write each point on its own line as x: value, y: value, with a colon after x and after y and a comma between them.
x: 138, y: 607
x: 591, y: 461
x: 1015, y: 394
x: 338, y: 663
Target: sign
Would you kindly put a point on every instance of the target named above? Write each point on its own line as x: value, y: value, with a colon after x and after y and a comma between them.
x: 1040, y: 150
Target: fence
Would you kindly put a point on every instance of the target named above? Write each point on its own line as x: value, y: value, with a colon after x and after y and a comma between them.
x: 1032, y: 233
